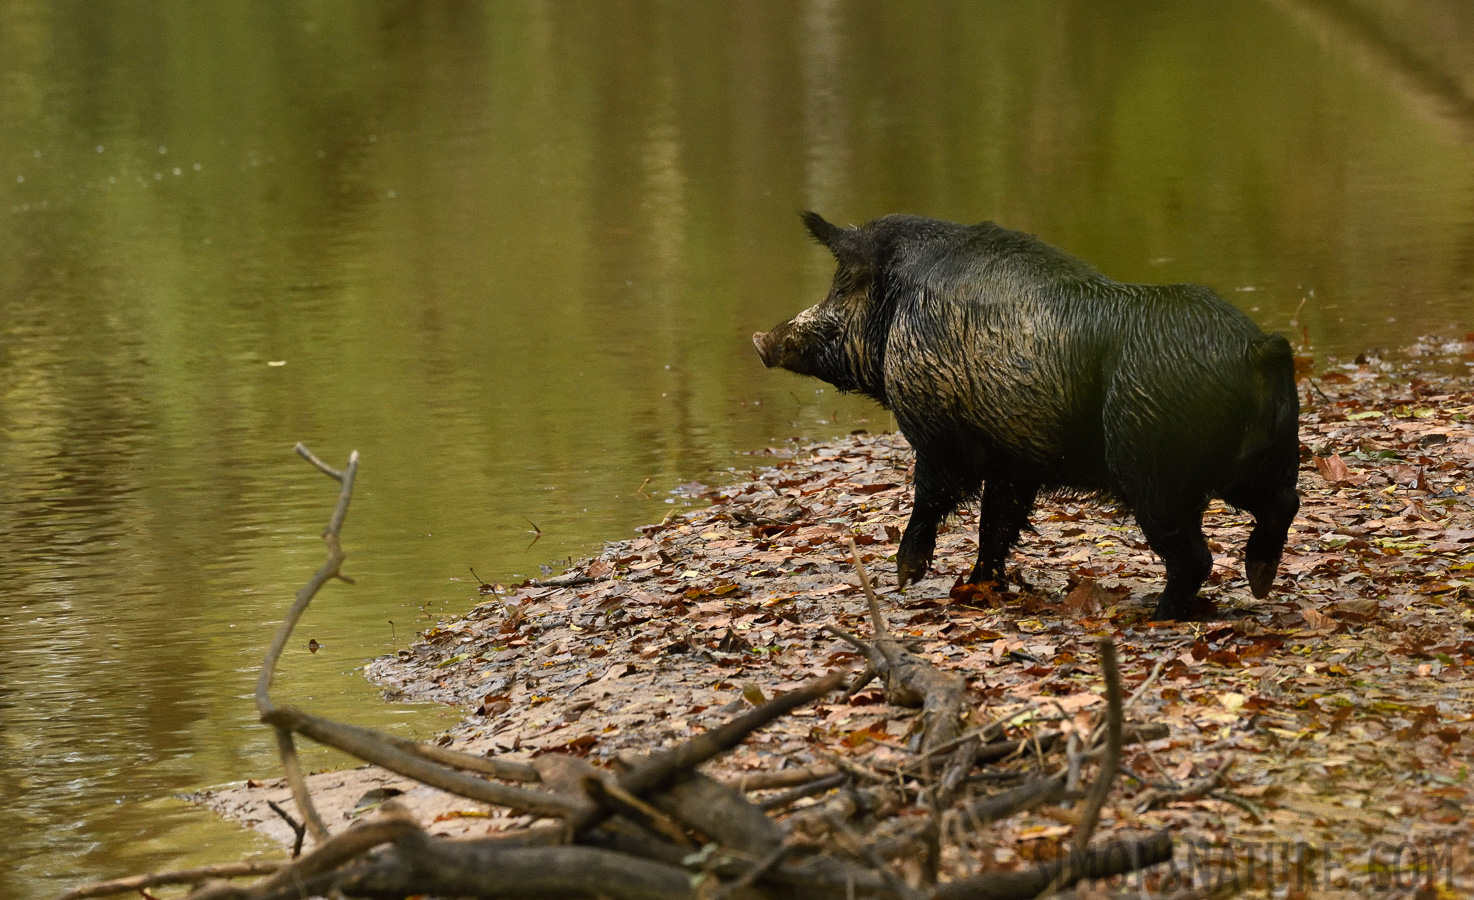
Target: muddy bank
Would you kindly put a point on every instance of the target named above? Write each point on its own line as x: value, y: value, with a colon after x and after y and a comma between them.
x: 1341, y: 705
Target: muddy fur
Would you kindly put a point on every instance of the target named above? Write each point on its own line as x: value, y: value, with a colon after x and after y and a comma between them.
x: 1013, y: 367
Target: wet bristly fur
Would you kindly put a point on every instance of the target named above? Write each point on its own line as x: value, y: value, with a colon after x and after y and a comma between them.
x: 1013, y: 367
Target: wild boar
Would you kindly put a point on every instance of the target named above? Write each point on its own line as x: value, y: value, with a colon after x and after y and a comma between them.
x: 1014, y: 368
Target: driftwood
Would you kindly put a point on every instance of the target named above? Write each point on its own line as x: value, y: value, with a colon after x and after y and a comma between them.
x: 652, y: 827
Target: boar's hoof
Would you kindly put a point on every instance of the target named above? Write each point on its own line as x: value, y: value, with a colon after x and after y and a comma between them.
x: 982, y: 574
x: 1261, y: 577
x: 910, y: 571
x: 1179, y: 609
x: 998, y: 580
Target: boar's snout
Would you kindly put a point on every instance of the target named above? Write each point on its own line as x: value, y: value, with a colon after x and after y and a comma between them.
x: 788, y: 346
x: 761, y: 341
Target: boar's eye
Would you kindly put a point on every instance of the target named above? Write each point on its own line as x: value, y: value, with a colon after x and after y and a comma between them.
x: 851, y: 286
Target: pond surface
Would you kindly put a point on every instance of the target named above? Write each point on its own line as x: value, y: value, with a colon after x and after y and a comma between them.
x: 513, y: 254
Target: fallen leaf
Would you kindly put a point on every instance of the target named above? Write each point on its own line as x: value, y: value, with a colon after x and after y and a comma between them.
x: 1318, y: 621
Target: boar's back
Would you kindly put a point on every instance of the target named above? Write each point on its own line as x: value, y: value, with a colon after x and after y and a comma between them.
x: 1015, y: 353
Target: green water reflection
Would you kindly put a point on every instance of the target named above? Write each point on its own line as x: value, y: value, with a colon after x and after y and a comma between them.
x: 513, y: 252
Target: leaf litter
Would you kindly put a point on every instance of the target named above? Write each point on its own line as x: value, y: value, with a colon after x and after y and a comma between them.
x: 1331, y: 722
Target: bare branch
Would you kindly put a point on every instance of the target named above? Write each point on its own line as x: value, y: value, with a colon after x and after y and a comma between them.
x: 1003, y: 804
x: 612, y: 796
x: 877, y: 620
x: 309, y: 590
x: 330, y: 856
x: 1207, y: 785
x: 762, y: 781
x: 420, y: 864
x: 291, y: 766
x: 1045, y: 742
x: 1142, y: 688
x: 298, y: 829
x: 662, y: 767
x: 368, y: 745
x: 1114, y: 858
x: 803, y: 792
x: 137, y: 883
x: 746, y: 879
x: 505, y: 769
x: 847, y: 637
x: 1111, y: 761
x: 311, y: 457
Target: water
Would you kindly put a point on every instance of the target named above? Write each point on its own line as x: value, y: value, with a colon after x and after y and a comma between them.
x: 513, y: 254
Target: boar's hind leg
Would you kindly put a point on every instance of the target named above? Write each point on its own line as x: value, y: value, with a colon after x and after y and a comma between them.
x: 1005, y: 512
x: 938, y: 493
x: 1273, y: 511
x: 1177, y: 537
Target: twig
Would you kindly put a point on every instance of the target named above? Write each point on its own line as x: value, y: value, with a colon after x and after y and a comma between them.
x: 954, y: 776
x: 763, y: 781
x: 1072, y: 865
x: 803, y: 791
x: 505, y: 769
x: 291, y: 766
x: 1003, y: 804
x: 330, y: 569
x: 661, y: 768
x: 326, y: 469
x: 877, y: 621
x: 1076, y: 761
x: 370, y: 746
x: 1198, y: 787
x: 1142, y: 688
x: 1106, y: 777
x: 567, y: 579
x: 851, y: 639
x: 735, y: 888
x: 854, y: 769
x: 198, y: 875
x: 1045, y: 742
x: 1248, y: 806
x: 613, y: 797
x: 721, y: 813
x: 994, y: 727
x: 932, y: 836
x: 421, y: 864
x: 328, y: 857
x: 1114, y: 858
x: 910, y: 680
x: 298, y: 828
x: 1098, y: 732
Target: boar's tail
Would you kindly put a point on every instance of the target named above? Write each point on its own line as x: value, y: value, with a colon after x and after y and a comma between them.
x: 1275, y: 418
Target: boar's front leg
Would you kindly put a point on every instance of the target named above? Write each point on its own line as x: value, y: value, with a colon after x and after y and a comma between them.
x: 1176, y: 534
x: 1274, y: 511
x: 1005, y: 512
x: 938, y: 492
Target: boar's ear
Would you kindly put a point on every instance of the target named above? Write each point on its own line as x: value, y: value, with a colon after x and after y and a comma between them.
x: 823, y: 231
x: 851, y: 246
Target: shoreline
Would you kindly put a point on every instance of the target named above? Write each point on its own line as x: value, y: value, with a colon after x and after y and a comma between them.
x: 666, y: 633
